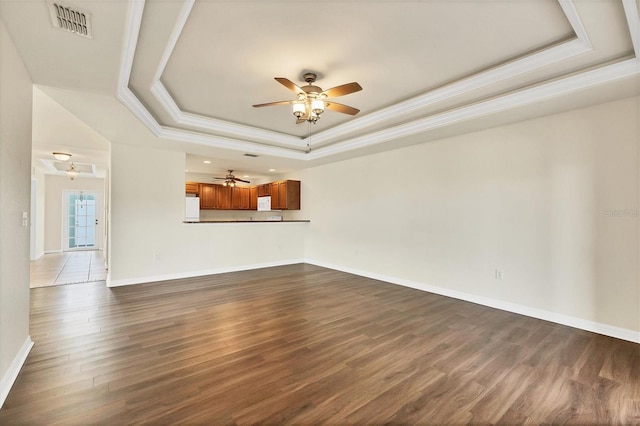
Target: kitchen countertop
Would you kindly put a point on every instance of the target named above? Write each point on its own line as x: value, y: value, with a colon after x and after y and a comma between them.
x: 248, y: 221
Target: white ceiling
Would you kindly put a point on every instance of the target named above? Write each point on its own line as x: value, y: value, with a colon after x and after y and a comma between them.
x: 183, y: 74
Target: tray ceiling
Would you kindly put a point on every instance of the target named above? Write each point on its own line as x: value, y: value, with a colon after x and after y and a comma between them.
x: 198, y: 68
x: 189, y: 70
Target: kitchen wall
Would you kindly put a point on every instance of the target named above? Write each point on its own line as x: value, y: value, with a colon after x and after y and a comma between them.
x: 15, y: 187
x: 149, y: 240
x: 55, y: 185
x: 551, y: 202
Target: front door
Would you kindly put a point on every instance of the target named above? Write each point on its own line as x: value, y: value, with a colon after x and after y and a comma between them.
x: 82, y: 224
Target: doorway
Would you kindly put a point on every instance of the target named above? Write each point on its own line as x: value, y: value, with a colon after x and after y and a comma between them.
x: 82, y: 220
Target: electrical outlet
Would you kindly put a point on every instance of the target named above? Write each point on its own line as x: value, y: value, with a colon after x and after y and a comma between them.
x: 499, y: 274
x: 156, y: 257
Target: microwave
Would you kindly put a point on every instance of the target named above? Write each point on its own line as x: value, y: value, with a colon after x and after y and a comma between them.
x: 264, y: 204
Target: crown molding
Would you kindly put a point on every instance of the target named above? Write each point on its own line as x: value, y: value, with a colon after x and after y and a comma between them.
x: 199, y: 121
x: 124, y: 94
x: 569, y: 9
x: 173, y: 38
x: 229, y: 143
x: 633, y: 22
x: 530, y: 95
x: 215, y: 125
x: 265, y: 142
x: 478, y: 81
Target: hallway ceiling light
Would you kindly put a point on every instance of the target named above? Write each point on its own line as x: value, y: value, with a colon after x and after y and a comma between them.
x: 72, y: 173
x: 61, y: 156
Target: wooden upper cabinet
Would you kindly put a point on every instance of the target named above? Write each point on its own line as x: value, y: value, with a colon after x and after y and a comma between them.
x: 285, y: 195
x: 223, y: 197
x: 289, y: 194
x: 253, y: 198
x: 240, y: 198
x: 192, y: 188
x: 275, y: 196
x: 208, y: 196
x: 263, y: 190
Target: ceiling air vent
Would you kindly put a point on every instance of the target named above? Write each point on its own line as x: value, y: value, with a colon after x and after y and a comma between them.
x: 250, y: 155
x: 70, y: 19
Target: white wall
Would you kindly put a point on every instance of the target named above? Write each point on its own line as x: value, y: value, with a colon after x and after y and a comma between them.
x: 538, y: 199
x: 15, y: 193
x: 553, y: 202
x: 55, y: 186
x: 150, y: 242
x: 40, y: 179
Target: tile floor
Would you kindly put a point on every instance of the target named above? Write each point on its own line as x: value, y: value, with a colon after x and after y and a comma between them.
x: 68, y: 268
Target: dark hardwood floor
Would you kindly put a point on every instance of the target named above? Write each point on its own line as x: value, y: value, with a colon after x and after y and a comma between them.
x: 306, y: 345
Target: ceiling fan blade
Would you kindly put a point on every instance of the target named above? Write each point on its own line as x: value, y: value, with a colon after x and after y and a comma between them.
x: 241, y: 180
x: 345, y: 109
x: 290, y: 85
x: 342, y: 90
x: 274, y: 103
x: 218, y: 178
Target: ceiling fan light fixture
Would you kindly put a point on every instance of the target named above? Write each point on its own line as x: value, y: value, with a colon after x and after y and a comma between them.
x: 310, y: 98
x: 317, y: 107
x: 299, y: 109
x: 61, y: 156
x: 230, y: 180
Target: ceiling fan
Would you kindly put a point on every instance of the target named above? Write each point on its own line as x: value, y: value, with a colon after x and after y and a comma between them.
x: 312, y: 100
x: 230, y: 179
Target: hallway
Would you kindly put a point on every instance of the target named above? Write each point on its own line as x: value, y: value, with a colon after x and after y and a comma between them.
x: 68, y: 268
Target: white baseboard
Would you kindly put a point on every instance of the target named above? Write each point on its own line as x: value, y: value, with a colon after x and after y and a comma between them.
x: 39, y: 255
x: 583, y: 324
x: 191, y: 274
x: 11, y: 375
x: 52, y: 251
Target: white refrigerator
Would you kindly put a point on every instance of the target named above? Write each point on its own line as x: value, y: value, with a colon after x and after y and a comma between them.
x: 192, y: 209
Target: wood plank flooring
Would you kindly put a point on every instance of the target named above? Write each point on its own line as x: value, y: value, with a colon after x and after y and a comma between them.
x: 302, y: 344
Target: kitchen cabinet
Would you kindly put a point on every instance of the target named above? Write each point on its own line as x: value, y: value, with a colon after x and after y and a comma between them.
x: 253, y: 198
x: 275, y: 198
x: 240, y: 198
x: 223, y: 197
x: 208, y: 196
x: 263, y: 190
x: 285, y: 195
x: 192, y: 188
x: 288, y: 197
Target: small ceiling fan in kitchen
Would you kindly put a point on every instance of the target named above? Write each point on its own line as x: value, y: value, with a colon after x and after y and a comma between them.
x: 230, y: 179
x: 312, y: 100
